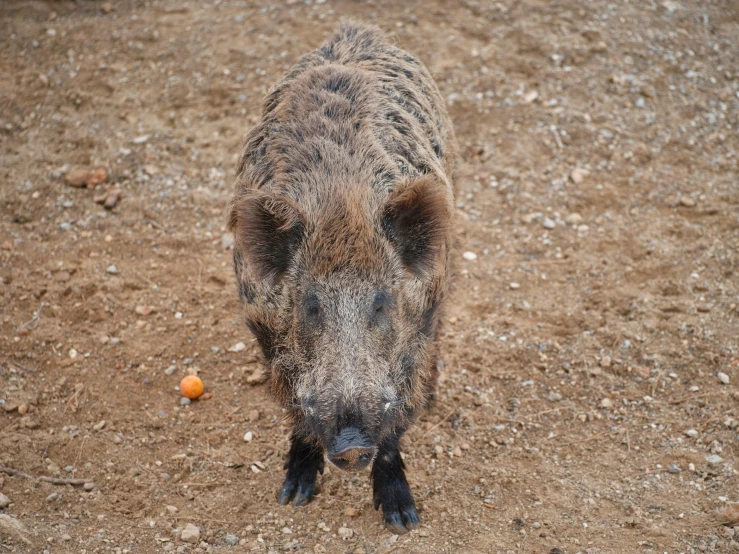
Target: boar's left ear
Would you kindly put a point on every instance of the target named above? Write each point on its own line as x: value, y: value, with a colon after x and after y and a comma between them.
x: 416, y: 220
x: 267, y: 228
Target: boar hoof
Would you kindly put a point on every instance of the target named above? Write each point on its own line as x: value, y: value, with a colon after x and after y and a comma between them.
x: 403, y: 519
x: 300, y: 490
x: 304, y: 461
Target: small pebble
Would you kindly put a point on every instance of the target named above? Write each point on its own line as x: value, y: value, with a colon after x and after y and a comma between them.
x: 238, y: 347
x: 577, y: 175
x: 514, y: 286
x: 248, y: 436
x: 554, y: 396
x: 470, y: 256
x: 232, y: 540
x: 4, y: 501
x: 88, y: 486
x: 172, y: 509
x: 184, y: 401
x: 350, y: 511
x: 723, y: 378
x: 66, y: 537
x: 170, y: 370
x: 99, y: 426
x: 190, y: 534
x: 345, y: 533
x: 714, y: 459
x: 573, y: 219
x: 53, y: 496
x: 605, y: 361
x: 287, y: 531
x: 674, y: 469
x: 692, y: 433
x: 548, y: 223
x: 606, y: 403
x: 687, y: 201
x: 112, y: 269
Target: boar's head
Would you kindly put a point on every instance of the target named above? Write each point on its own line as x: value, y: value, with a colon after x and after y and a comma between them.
x: 342, y: 292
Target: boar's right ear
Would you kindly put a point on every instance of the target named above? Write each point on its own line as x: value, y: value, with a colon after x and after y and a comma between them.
x: 267, y: 229
x: 416, y: 220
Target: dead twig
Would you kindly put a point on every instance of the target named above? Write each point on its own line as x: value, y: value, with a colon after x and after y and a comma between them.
x: 438, y: 424
x: 33, y: 321
x: 52, y: 480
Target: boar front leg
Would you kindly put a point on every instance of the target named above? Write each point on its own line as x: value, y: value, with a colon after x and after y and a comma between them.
x: 391, y: 487
x: 303, y: 463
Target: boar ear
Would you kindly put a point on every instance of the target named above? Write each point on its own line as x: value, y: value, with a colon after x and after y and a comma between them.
x: 267, y: 229
x: 416, y: 220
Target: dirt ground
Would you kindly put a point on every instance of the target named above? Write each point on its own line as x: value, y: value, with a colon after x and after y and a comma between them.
x: 588, y: 398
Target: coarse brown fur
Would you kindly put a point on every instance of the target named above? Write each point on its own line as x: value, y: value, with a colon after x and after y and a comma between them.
x: 342, y: 220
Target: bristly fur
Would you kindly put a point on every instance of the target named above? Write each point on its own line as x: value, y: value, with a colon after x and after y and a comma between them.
x: 343, y: 210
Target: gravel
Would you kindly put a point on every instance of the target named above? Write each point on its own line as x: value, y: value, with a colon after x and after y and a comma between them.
x: 723, y: 378
x: 4, y: 501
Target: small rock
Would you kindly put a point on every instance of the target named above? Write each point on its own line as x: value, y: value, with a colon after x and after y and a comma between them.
x: 257, y: 376
x: 530, y: 97
x: 573, y: 219
x: 714, y: 459
x: 112, y: 198
x: 287, y: 531
x: 227, y: 241
x: 88, y: 486
x: 232, y: 540
x: 248, y: 436
x: 4, y: 501
x: 350, y: 511
x: 107, y: 7
x: 721, y: 377
x: 184, y: 401
x: 578, y: 175
x: 144, y: 310
x: 687, y: 201
x: 345, y: 533
x: 605, y: 361
x: 642, y: 371
x: 190, y: 534
x: 554, y: 396
x: 606, y: 403
x: 99, y: 426
x: 674, y: 469
x: 548, y: 223
x: 112, y: 269
x: 86, y: 177
x: 469, y: 256
x: 28, y: 423
x: 514, y: 286
x: 53, y: 496
x: 66, y: 537
x: 170, y: 370
x: 238, y: 347
x: 692, y: 433
x: 141, y: 139
x: 172, y: 509
x: 23, y: 409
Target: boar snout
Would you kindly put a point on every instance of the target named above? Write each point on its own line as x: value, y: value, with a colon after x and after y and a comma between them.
x: 351, y: 450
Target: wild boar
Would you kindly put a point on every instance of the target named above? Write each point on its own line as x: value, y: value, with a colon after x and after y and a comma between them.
x: 342, y: 222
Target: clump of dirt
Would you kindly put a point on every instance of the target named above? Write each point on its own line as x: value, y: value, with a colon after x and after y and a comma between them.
x: 588, y: 394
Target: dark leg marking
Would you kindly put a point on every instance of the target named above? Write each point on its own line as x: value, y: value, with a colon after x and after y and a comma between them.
x: 303, y: 463
x: 391, y: 488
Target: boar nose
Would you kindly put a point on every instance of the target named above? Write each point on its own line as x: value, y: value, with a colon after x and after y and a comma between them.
x: 351, y: 451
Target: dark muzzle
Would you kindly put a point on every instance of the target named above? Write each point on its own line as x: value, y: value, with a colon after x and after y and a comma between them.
x: 351, y: 451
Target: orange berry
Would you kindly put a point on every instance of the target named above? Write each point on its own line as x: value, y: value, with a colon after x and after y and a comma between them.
x: 192, y: 387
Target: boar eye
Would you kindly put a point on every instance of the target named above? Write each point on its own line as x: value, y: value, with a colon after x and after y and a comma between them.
x: 379, y: 307
x: 312, y: 309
